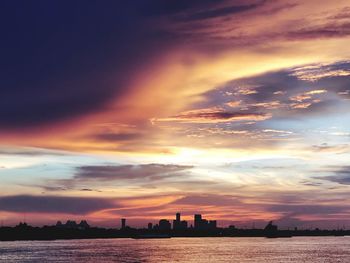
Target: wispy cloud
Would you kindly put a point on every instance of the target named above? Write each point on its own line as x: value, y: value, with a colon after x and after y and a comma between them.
x: 341, y: 175
x: 219, y: 11
x: 98, y: 175
x: 129, y: 172
x: 214, y: 115
x: 316, y: 72
x: 54, y: 204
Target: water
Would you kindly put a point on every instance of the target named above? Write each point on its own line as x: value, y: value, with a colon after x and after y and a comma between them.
x: 296, y: 249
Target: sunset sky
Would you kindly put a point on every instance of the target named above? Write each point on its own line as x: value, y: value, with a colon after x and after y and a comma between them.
x: 238, y: 110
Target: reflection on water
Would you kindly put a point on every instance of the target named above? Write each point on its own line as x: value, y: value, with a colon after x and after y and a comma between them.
x: 296, y: 249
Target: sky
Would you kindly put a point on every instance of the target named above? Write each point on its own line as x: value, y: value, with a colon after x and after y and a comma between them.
x: 235, y: 109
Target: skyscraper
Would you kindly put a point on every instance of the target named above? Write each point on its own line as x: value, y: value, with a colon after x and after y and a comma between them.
x: 178, y: 224
x: 178, y: 217
x: 123, y: 220
x: 197, y: 221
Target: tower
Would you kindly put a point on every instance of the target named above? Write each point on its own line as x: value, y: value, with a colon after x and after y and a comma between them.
x: 197, y: 221
x: 178, y: 217
x: 123, y: 220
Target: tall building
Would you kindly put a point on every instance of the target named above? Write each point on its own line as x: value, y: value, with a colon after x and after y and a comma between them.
x: 123, y: 221
x: 178, y: 217
x: 178, y: 224
x: 203, y: 224
x: 197, y: 221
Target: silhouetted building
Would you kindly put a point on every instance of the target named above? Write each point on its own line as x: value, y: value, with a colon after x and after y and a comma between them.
x: 203, y: 228
x: 71, y: 224
x: 178, y: 224
x: 83, y: 224
x: 178, y: 217
x: 203, y: 224
x: 23, y: 225
x: 59, y: 224
x: 197, y: 221
x: 212, y: 224
x: 164, y: 225
x: 123, y: 221
x: 271, y: 227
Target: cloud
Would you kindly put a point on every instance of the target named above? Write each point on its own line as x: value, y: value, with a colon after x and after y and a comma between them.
x: 330, y: 29
x: 130, y: 172
x: 285, y: 93
x: 316, y: 72
x: 245, y: 23
x: 208, y: 200
x: 277, y: 204
x: 267, y: 105
x: 307, y: 96
x: 159, y: 7
x: 325, y: 147
x: 220, y: 12
x: 304, y: 209
x: 117, y: 136
x: 245, y: 113
x: 341, y: 175
x: 27, y: 151
x: 86, y: 177
x: 214, y: 115
x: 54, y: 204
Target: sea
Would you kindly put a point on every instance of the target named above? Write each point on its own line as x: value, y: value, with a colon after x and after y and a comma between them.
x: 228, y: 249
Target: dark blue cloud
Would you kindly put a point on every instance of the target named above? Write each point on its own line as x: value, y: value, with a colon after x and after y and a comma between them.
x: 54, y: 204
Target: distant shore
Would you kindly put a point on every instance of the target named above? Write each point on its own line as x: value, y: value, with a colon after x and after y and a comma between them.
x: 26, y: 232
